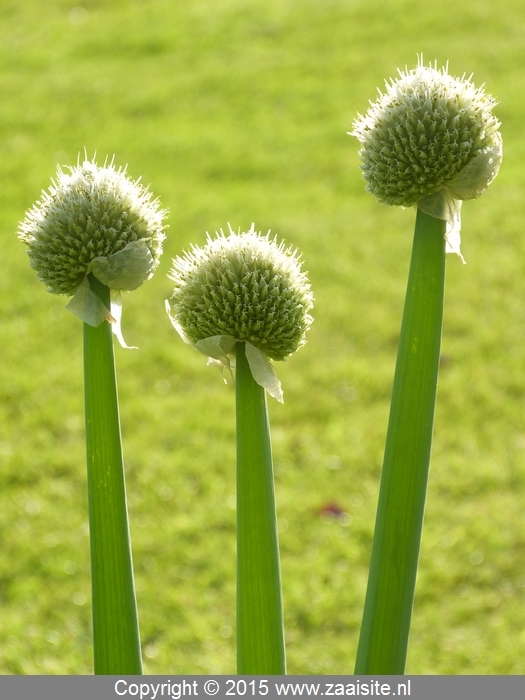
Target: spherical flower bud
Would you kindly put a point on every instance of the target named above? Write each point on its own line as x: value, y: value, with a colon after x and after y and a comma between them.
x: 93, y: 220
x: 430, y: 140
x: 242, y: 287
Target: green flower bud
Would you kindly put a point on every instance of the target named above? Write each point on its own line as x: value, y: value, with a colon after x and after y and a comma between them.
x: 241, y: 288
x: 89, y: 213
x: 426, y: 129
x: 430, y: 140
x: 93, y: 220
x: 246, y: 286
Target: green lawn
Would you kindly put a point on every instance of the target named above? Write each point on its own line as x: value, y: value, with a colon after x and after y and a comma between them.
x: 237, y: 111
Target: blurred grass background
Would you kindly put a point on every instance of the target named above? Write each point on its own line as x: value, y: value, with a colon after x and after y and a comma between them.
x: 237, y: 111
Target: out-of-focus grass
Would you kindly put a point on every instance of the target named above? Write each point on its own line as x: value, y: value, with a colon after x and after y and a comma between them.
x: 237, y: 111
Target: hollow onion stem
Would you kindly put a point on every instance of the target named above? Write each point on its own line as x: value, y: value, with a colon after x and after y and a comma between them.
x: 260, y: 633
x: 115, y: 621
x: 389, y: 599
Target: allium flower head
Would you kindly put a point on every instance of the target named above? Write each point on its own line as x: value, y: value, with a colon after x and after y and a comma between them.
x: 242, y: 287
x: 93, y: 220
x: 430, y: 140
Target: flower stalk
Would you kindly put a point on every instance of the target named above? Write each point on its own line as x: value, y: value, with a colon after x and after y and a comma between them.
x: 397, y: 536
x: 260, y: 630
x: 116, y: 642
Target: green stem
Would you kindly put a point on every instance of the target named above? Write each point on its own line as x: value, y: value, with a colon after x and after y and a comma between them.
x: 395, y: 552
x: 116, y: 641
x: 260, y: 633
